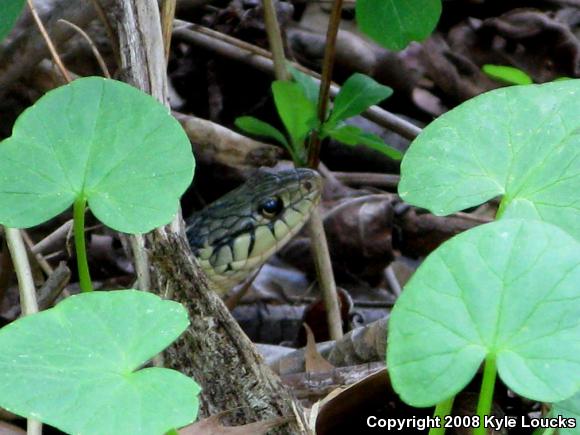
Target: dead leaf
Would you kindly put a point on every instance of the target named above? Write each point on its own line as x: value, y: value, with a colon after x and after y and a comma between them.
x: 212, y: 426
x: 315, y: 363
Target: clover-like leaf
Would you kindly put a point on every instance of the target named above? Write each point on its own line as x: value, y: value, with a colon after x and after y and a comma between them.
x: 10, y: 10
x: 507, y: 290
x: 75, y: 366
x: 101, y: 140
x: 520, y: 142
x: 395, y: 23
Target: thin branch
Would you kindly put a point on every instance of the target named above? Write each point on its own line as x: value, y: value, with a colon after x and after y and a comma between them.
x: 23, y: 271
x: 327, y: 68
x: 167, y: 16
x: 275, y: 40
x: 28, y: 303
x: 49, y: 43
x: 224, y: 46
x: 94, y: 48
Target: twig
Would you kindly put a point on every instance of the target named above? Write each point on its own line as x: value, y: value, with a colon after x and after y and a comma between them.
x: 275, y: 40
x: 320, y: 251
x: 327, y: 67
x: 54, y: 285
x: 325, y: 274
x: 22, y: 269
x: 61, y: 233
x: 167, y: 16
x: 389, y: 181
x: 223, y: 46
x: 49, y: 43
x: 28, y: 302
x: 94, y: 48
x: 46, y: 268
x: 141, y: 260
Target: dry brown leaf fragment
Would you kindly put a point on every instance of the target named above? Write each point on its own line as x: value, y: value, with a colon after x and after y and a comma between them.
x: 212, y: 426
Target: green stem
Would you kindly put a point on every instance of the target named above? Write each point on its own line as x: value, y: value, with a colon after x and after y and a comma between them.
x: 441, y: 411
x: 486, y: 393
x: 80, y: 247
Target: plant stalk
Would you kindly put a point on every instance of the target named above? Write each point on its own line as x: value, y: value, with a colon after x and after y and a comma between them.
x: 167, y: 16
x: 28, y: 302
x: 486, y: 393
x: 51, y: 47
x: 275, y: 40
x: 80, y: 245
x: 441, y: 410
x: 326, y: 80
x: 320, y: 251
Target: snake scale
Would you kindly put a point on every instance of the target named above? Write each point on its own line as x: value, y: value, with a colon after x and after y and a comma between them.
x: 236, y: 234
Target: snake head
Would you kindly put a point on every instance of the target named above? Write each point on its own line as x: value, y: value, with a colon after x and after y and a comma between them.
x: 239, y: 232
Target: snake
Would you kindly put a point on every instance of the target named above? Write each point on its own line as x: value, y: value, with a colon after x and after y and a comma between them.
x: 235, y: 235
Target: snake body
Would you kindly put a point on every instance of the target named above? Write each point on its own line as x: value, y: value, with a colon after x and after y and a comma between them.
x: 236, y: 234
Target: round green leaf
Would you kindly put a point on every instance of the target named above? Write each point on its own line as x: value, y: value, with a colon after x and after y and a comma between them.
x: 569, y: 409
x: 507, y: 290
x: 75, y: 366
x: 395, y: 23
x: 99, y: 139
x: 522, y: 142
x: 10, y: 11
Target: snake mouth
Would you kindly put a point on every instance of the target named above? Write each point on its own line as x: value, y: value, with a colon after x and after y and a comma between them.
x: 240, y: 237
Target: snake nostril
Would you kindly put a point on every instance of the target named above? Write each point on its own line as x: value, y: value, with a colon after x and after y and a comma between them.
x: 308, y: 185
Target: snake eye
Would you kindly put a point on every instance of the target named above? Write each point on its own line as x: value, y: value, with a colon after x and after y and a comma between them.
x: 270, y: 207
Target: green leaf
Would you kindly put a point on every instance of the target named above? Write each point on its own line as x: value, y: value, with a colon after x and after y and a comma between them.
x: 351, y: 135
x: 10, y: 10
x: 356, y: 95
x: 522, y: 142
x: 254, y: 126
x: 75, y: 366
x: 310, y: 87
x: 395, y: 23
x: 507, y: 74
x: 297, y: 112
x: 508, y: 289
x: 99, y: 139
x: 569, y: 409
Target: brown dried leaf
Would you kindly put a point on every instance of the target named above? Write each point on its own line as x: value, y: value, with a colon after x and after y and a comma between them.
x: 315, y: 363
x: 212, y: 426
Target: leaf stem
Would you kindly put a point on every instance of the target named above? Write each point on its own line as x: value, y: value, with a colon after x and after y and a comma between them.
x: 80, y: 246
x: 486, y: 393
x: 442, y: 410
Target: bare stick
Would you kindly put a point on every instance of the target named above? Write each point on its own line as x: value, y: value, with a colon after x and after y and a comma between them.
x: 167, y: 15
x: 275, y: 40
x: 28, y: 302
x: 94, y: 48
x: 49, y: 43
x: 223, y: 46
